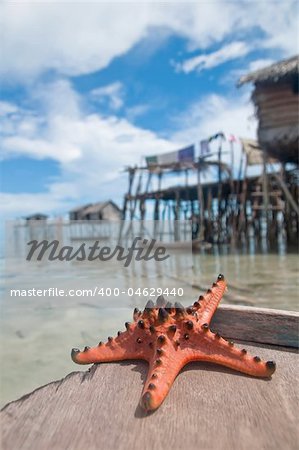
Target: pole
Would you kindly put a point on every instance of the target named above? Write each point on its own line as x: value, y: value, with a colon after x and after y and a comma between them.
x: 265, y: 191
x: 219, y: 188
x: 200, y: 201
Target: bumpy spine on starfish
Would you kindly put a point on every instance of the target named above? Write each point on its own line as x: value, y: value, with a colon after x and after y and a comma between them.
x: 168, y: 337
x: 126, y: 345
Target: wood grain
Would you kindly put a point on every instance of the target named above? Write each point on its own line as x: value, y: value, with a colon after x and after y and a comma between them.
x: 208, y: 407
x: 267, y: 326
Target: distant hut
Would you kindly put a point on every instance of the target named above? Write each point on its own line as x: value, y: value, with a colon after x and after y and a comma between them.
x: 36, y: 216
x: 78, y: 212
x: 275, y: 96
x: 98, y: 211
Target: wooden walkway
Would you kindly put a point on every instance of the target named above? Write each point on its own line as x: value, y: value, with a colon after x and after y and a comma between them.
x: 208, y: 407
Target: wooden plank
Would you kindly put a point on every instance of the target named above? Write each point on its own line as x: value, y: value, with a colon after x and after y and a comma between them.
x: 281, y: 99
x: 268, y: 326
x: 272, y: 91
x: 280, y: 133
x: 278, y: 119
x: 277, y: 99
x: 269, y: 208
x: 287, y: 193
x: 274, y: 133
x: 288, y: 105
x: 208, y: 407
x: 271, y: 194
x: 281, y: 109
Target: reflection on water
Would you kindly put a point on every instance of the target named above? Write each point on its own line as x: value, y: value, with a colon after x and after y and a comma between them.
x: 39, y: 332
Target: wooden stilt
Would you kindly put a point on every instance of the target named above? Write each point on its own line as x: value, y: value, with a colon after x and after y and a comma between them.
x: 200, y: 202
x: 265, y: 192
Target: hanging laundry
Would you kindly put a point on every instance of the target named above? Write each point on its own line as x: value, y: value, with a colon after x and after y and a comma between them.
x: 216, y: 136
x: 232, y: 138
x: 204, y: 147
x: 186, y: 154
x: 151, y: 160
x: 168, y: 158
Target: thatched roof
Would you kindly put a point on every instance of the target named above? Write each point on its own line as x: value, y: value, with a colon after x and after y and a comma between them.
x: 274, y: 73
x: 254, y: 152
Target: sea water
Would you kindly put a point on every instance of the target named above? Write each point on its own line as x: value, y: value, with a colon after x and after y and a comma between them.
x: 38, y: 332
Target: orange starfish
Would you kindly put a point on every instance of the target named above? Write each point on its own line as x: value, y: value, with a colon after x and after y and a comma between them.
x: 168, y: 337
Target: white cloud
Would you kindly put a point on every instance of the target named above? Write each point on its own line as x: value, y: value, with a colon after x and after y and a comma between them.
x: 215, y: 113
x: 90, y: 148
x: 232, y: 77
x: 36, y: 37
x: 113, y: 92
x: 259, y: 64
x: 93, y: 150
x: 15, y: 206
x: 278, y: 21
x: 230, y: 51
x: 40, y: 149
x: 136, y: 111
x: 7, y: 108
x: 39, y: 132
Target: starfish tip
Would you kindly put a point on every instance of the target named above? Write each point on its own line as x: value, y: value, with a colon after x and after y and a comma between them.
x: 271, y: 366
x: 74, y: 353
x: 146, y: 401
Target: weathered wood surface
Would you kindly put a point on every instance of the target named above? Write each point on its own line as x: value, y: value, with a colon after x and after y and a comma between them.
x: 263, y: 325
x: 287, y: 193
x: 208, y: 407
x: 276, y: 106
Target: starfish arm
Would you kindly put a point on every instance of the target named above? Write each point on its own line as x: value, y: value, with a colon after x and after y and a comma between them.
x: 127, y: 345
x: 215, y: 349
x: 162, y: 372
x: 210, y: 301
x: 168, y: 337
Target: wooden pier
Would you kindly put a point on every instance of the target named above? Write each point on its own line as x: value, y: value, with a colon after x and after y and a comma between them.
x: 225, y: 211
x: 234, y: 208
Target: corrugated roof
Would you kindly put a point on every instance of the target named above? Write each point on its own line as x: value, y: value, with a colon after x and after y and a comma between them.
x: 36, y: 216
x: 97, y: 207
x: 93, y: 207
x: 273, y: 73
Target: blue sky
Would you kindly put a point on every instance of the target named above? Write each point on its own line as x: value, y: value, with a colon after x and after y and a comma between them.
x: 90, y: 88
